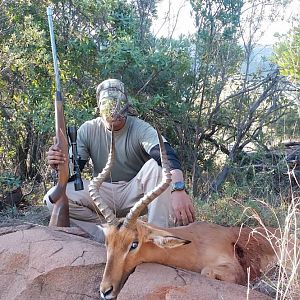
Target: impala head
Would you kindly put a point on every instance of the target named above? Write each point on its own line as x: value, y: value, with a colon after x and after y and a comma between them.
x: 129, y: 247
x: 130, y: 241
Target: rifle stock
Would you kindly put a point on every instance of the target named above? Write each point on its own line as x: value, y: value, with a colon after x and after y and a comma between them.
x: 60, y: 212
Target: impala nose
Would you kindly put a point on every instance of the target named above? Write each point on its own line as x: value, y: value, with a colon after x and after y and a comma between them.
x: 106, y: 294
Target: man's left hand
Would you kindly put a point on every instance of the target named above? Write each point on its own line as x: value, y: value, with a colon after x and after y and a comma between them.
x: 183, y: 208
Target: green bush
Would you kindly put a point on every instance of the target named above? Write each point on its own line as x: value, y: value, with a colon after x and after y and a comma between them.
x: 9, y: 182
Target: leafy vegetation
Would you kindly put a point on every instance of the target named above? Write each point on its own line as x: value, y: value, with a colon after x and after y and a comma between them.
x: 287, y: 54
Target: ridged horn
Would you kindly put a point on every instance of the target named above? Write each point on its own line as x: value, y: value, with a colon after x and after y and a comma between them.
x: 135, y: 211
x: 96, y: 182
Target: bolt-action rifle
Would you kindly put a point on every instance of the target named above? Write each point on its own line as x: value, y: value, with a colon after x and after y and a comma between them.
x: 60, y: 212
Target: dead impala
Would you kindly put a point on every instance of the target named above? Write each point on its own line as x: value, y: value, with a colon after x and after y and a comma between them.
x: 223, y: 253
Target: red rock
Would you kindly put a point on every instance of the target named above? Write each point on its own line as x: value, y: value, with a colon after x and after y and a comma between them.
x: 39, y: 262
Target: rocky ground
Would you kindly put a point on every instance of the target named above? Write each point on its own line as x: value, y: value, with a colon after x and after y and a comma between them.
x: 38, y: 262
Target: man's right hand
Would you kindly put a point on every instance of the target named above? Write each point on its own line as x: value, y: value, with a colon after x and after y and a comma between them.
x: 55, y: 157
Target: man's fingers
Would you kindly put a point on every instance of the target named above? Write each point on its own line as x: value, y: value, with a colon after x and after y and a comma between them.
x: 55, y: 145
x: 192, y: 211
x: 184, y: 218
x: 55, y: 158
x: 178, y: 220
x: 183, y: 209
x: 54, y: 155
x: 55, y: 161
x: 55, y: 148
x: 181, y: 218
x: 190, y: 216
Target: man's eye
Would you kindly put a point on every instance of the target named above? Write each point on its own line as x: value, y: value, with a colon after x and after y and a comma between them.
x: 134, y: 245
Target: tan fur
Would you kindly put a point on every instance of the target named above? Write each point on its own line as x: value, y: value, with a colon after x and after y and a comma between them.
x: 218, y: 252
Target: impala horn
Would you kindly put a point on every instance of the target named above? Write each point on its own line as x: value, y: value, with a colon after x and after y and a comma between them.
x: 96, y: 182
x: 135, y: 211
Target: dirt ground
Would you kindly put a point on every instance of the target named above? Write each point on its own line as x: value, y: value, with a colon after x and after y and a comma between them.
x: 37, y: 214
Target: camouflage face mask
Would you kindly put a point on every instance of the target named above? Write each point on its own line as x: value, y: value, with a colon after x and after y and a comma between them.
x: 113, y: 109
x: 112, y: 100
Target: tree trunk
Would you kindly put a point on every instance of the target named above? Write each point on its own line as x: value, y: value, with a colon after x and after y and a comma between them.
x: 219, y: 181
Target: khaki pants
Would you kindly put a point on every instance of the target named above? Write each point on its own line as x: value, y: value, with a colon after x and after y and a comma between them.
x: 120, y: 197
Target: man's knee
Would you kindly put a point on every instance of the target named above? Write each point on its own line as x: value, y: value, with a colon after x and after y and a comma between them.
x: 46, y: 199
x: 152, y: 165
x: 75, y: 197
x: 150, y: 171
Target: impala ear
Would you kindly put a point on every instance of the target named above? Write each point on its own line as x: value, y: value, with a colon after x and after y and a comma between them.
x: 165, y: 239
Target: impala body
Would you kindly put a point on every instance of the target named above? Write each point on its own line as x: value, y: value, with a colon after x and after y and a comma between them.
x: 223, y: 253
x: 218, y: 252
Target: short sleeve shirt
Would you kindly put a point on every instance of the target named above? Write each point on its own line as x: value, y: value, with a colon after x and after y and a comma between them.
x: 133, y: 144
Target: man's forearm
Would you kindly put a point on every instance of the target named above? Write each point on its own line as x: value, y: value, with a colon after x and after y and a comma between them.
x: 177, y: 175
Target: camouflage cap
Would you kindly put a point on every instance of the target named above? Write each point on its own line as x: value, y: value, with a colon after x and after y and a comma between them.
x: 111, y: 88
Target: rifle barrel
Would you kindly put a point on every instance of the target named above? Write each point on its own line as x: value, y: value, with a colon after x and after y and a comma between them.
x: 53, y: 46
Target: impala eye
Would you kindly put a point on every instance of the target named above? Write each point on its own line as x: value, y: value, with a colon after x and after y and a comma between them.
x: 134, y: 245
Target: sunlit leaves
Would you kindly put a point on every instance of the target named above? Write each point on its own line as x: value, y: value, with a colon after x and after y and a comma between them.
x: 287, y: 55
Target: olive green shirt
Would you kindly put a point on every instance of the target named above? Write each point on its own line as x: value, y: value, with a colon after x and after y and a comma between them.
x: 133, y: 144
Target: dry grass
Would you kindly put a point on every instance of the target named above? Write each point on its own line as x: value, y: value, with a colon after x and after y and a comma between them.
x: 288, y: 283
x: 282, y: 281
x: 243, y: 206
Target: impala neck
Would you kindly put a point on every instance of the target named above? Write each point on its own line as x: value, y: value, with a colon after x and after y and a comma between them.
x: 169, y: 256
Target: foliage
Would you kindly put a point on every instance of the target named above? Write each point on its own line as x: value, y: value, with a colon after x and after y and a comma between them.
x: 95, y: 40
x: 287, y: 55
x: 9, y: 182
x: 236, y: 212
x: 230, y: 108
x: 192, y: 87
